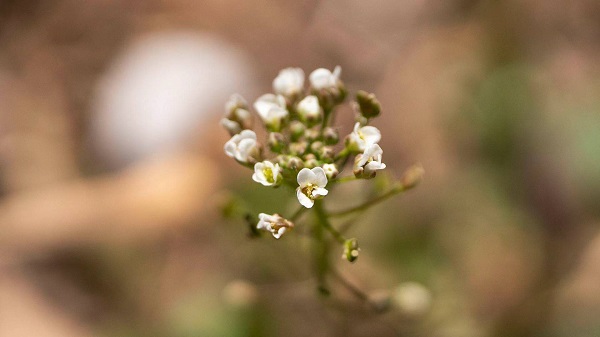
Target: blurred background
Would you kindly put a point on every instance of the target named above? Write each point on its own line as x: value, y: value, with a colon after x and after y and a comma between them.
x: 112, y: 171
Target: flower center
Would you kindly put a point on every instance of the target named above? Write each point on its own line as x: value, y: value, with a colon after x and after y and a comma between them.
x: 268, y: 172
x: 308, y: 189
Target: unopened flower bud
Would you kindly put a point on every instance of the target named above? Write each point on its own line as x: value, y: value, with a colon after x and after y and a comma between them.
x: 330, y: 136
x: 311, y: 163
x: 309, y: 156
x: 236, y: 101
x: 294, y: 163
x: 298, y: 148
x: 310, y: 111
x: 276, y: 142
x: 311, y: 135
x: 237, y: 117
x: 368, y: 104
x: 328, y: 87
x: 316, y: 147
x: 412, y: 176
x: 351, y: 250
x: 297, y: 129
x: 326, y: 153
x: 331, y: 170
x: 281, y: 160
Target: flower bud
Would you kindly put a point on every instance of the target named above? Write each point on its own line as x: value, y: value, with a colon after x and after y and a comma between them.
x: 297, y: 129
x: 309, y: 156
x: 276, y: 142
x: 328, y: 87
x: 294, y: 163
x: 289, y: 82
x: 237, y: 117
x: 330, y: 136
x: 298, y: 148
x: 310, y: 111
x: 311, y: 135
x: 368, y: 105
x: 351, y: 250
x: 412, y: 176
x: 311, y: 163
x: 331, y: 170
x: 326, y: 153
x: 316, y: 147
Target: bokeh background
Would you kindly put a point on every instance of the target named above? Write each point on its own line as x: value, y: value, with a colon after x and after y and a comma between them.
x: 112, y: 173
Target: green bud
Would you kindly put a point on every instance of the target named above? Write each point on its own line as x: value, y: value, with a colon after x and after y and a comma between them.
x: 368, y: 104
x: 276, y: 142
x: 298, y: 148
x: 330, y: 136
x: 297, y: 129
x: 311, y: 163
x: 294, y: 163
x: 311, y: 135
x: 316, y: 147
x: 326, y: 153
x: 351, y: 250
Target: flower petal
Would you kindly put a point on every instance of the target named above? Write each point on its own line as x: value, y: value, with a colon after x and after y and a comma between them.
x: 319, y: 192
x: 306, y: 176
x: 303, y: 199
x: 370, y: 134
x: 320, y: 177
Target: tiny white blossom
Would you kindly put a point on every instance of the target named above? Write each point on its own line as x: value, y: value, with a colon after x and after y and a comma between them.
x: 361, y: 138
x: 236, y: 101
x: 324, y: 79
x: 272, y: 109
x: 312, y: 186
x: 368, y: 163
x: 231, y: 126
x: 243, y: 146
x: 289, y: 82
x: 275, y: 224
x: 267, y: 173
x: 309, y: 108
x: 331, y: 170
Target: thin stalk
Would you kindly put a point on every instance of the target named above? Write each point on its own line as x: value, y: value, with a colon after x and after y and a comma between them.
x: 397, y: 189
x: 344, y: 179
x: 298, y: 213
x: 321, y: 250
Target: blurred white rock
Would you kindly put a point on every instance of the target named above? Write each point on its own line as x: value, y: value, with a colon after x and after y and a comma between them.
x: 160, y: 90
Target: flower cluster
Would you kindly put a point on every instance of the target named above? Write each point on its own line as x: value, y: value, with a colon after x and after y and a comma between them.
x: 301, y: 146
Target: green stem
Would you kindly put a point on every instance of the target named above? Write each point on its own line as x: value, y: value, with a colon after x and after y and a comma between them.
x: 397, y: 189
x: 321, y: 250
x: 298, y: 213
x: 344, y: 179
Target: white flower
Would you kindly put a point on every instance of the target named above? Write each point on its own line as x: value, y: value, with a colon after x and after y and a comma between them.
x: 237, y: 117
x: 275, y: 224
x: 289, y: 82
x: 361, y: 138
x: 331, y: 170
x: 267, y: 173
x: 236, y: 101
x: 368, y: 163
x: 324, y: 79
x: 312, y: 186
x: 309, y: 109
x: 272, y: 109
x: 243, y: 146
x: 231, y: 126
